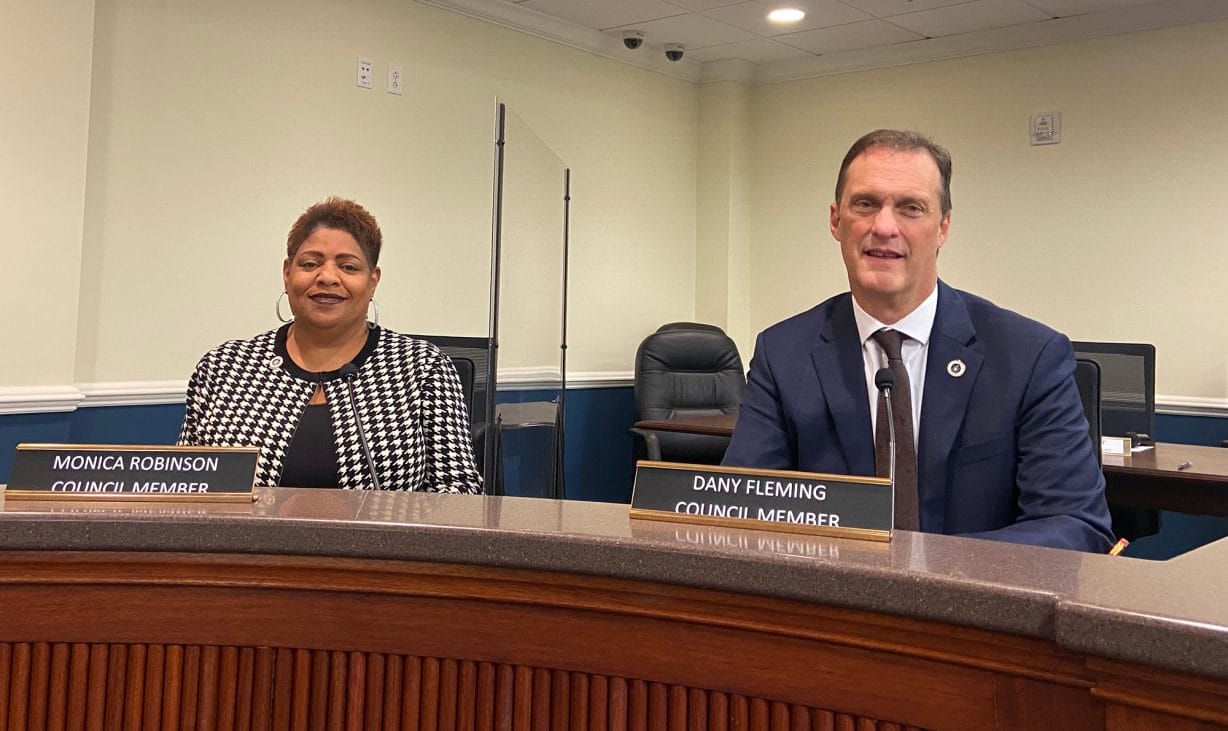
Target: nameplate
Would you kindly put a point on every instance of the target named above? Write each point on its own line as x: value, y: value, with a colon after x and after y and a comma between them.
x: 132, y: 472
x: 794, y: 502
x: 1116, y: 446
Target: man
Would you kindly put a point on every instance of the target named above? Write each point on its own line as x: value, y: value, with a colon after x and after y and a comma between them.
x: 1001, y: 448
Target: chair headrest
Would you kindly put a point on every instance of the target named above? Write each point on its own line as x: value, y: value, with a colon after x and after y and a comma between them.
x: 688, y: 347
x: 686, y: 368
x: 690, y: 326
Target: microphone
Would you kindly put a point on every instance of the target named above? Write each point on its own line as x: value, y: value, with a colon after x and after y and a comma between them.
x: 884, y: 380
x: 349, y: 372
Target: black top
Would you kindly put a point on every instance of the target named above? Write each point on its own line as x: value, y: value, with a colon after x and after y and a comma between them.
x: 244, y: 393
x: 311, y: 457
x: 279, y: 347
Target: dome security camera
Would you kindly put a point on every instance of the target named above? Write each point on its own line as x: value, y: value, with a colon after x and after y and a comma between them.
x: 633, y: 39
x: 674, y: 51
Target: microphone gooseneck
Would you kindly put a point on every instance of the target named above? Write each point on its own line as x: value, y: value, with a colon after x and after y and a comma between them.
x: 349, y: 372
x: 884, y: 380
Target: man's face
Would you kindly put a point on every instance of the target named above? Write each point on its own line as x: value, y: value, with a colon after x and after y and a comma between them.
x: 890, y: 226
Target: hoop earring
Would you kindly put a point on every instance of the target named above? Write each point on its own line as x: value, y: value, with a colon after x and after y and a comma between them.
x: 372, y: 325
x: 277, y: 309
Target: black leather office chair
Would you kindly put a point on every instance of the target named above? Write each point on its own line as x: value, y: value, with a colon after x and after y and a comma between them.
x: 1128, y: 408
x: 471, y: 358
x: 1087, y: 378
x: 686, y: 369
x: 467, y: 371
x: 1129, y: 523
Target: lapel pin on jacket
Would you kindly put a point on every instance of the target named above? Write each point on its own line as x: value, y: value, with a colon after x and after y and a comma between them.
x: 956, y: 368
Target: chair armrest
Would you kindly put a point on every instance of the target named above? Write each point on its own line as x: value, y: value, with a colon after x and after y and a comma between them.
x: 652, y: 445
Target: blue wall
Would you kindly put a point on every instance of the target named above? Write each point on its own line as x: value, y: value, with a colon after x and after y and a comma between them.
x: 1208, y: 431
x: 598, y: 461
x: 597, y: 456
x: 1180, y: 532
x: 100, y: 425
x: 17, y: 428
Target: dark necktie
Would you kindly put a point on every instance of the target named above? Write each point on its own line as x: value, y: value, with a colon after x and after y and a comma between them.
x: 906, y: 515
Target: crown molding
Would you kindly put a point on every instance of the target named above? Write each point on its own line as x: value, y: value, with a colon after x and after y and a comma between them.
x: 1070, y: 29
x: 1052, y: 32
x: 557, y: 30
x: 729, y: 69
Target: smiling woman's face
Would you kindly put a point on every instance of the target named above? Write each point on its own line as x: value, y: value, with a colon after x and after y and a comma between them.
x: 329, y: 282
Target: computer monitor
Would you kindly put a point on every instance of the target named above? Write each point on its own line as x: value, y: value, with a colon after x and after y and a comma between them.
x: 1127, y: 385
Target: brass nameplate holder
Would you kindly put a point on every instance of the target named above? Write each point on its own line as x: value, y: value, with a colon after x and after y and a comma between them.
x: 132, y: 473
x: 793, y: 502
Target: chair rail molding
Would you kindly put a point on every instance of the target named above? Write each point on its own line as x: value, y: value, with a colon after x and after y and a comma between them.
x: 133, y: 393
x: 66, y: 398
x: 61, y: 398
x: 601, y: 379
x: 535, y: 377
x: 1192, y: 406
x: 39, y: 399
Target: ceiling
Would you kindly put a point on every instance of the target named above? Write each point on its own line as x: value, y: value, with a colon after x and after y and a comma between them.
x: 733, y: 38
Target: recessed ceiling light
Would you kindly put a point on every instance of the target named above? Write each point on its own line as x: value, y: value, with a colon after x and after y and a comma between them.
x: 786, y: 15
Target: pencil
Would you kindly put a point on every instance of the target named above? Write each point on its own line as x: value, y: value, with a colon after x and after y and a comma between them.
x: 1119, y: 547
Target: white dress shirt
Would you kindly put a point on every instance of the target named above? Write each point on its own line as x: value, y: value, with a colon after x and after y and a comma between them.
x: 915, y: 350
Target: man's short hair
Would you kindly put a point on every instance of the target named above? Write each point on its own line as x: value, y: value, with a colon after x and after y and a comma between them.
x: 903, y: 141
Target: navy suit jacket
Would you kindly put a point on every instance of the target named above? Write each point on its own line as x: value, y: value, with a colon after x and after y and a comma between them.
x: 1003, y: 450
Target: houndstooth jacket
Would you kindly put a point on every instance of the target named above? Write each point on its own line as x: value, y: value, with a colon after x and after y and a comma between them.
x: 248, y: 393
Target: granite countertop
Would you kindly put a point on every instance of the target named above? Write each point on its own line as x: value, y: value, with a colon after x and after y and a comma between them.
x: 1168, y: 614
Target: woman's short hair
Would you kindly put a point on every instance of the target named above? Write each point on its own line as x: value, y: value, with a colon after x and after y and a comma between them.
x: 340, y: 214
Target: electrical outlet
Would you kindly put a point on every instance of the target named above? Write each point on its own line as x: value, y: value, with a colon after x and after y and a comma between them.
x: 366, y: 71
x: 1046, y: 128
x: 394, y: 79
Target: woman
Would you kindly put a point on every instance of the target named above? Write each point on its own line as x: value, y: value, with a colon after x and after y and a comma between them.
x: 288, y: 391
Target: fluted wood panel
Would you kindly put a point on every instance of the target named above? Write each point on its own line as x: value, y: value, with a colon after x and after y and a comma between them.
x: 260, y: 643
x: 147, y: 687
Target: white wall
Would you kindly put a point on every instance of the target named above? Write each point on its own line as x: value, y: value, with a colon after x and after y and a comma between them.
x: 723, y: 240
x: 44, y: 114
x: 210, y: 126
x: 215, y: 124
x: 1112, y: 235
